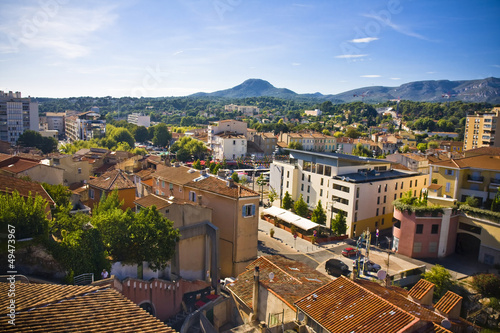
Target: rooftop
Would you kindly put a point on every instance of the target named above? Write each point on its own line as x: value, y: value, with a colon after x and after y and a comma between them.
x: 24, y: 187
x: 114, y: 179
x: 59, y: 308
x: 373, y: 175
x: 488, y: 162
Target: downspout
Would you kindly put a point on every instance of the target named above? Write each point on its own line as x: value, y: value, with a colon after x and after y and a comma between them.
x: 255, y: 299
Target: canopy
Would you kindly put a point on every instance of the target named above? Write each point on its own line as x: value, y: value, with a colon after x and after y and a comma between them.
x: 290, y: 217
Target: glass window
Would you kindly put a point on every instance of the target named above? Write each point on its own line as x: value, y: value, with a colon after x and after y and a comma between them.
x: 378, y: 200
x: 385, y: 198
x: 379, y: 187
x: 248, y: 210
x: 433, y: 247
x: 434, y: 228
x: 171, y: 186
x: 192, y: 196
x: 417, y: 247
x: 377, y: 212
x: 420, y: 228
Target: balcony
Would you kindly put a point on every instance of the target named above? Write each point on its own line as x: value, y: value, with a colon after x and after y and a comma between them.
x: 476, y: 179
x: 495, y: 181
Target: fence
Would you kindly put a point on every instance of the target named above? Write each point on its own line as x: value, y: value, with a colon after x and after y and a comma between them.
x: 83, y: 279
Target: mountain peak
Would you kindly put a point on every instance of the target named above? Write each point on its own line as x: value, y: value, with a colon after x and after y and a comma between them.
x: 252, y: 88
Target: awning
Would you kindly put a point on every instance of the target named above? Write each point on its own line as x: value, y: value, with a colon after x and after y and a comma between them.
x: 290, y: 217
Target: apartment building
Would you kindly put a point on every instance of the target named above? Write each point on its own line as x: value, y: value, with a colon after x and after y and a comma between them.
x: 310, y: 141
x: 266, y: 141
x: 84, y: 126
x: 476, y: 176
x: 314, y: 113
x: 227, y: 139
x: 247, y: 110
x: 480, y: 130
x: 414, y: 162
x: 17, y: 115
x: 234, y: 209
x: 362, y: 188
x: 75, y: 168
x: 139, y: 119
x: 55, y: 121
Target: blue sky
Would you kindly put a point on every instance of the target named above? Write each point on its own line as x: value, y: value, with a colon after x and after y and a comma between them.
x: 63, y: 48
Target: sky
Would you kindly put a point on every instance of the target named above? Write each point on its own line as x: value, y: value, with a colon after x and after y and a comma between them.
x: 69, y: 48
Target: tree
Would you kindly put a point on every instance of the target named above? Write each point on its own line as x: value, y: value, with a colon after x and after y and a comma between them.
x: 141, y: 134
x: 433, y: 144
x: 338, y: 224
x: 235, y: 177
x: 318, y: 214
x: 472, y: 201
x: 441, y: 277
x: 300, y: 207
x: 197, y: 165
x: 272, y: 196
x: 47, y: 145
x: 360, y: 150
x: 60, y: 194
x: 422, y: 147
x: 121, y: 134
x: 352, y: 133
x: 287, y: 201
x: 152, y: 239
x: 27, y: 215
x: 295, y: 145
x: 405, y: 149
x: 495, y: 204
x: 31, y: 138
x: 161, y: 136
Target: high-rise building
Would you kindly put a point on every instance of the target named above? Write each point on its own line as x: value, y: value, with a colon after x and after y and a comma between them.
x: 17, y: 115
x: 139, y: 119
x: 480, y: 130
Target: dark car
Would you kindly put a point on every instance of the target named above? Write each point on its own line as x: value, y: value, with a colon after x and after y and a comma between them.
x: 336, y: 268
x: 350, y: 252
x: 370, y: 265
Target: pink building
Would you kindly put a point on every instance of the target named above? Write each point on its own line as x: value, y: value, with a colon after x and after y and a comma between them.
x: 425, y: 236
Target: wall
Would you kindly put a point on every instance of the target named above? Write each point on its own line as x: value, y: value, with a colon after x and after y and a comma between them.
x: 45, y: 174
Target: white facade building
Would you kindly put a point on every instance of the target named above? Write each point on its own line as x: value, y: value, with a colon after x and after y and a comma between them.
x: 17, y: 115
x: 227, y: 139
x: 55, y: 121
x: 315, y: 112
x: 139, y: 119
x: 247, y: 110
x: 363, y: 188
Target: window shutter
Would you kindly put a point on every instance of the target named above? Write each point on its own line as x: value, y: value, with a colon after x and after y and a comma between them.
x: 253, y: 210
x: 243, y: 211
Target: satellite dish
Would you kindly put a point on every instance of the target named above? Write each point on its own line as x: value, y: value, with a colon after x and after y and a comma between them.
x: 381, y: 275
x: 271, y: 276
x: 301, y: 316
x: 446, y: 323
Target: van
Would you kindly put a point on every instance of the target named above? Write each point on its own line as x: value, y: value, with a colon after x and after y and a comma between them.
x: 336, y: 268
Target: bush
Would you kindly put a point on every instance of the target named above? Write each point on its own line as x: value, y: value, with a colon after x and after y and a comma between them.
x: 487, y: 284
x: 494, y: 303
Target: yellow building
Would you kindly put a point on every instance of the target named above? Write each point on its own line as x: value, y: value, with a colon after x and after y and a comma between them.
x: 480, y: 130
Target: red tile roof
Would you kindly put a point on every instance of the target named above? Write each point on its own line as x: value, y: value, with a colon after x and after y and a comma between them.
x: 420, y: 289
x: 16, y: 164
x: 57, y: 308
x: 114, y: 179
x: 219, y: 186
x: 291, y: 280
x: 447, y: 302
x: 24, y: 187
x: 490, y: 162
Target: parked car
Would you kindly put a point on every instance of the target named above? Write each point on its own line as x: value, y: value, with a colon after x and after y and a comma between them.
x: 350, y: 252
x: 336, y: 268
x: 370, y: 265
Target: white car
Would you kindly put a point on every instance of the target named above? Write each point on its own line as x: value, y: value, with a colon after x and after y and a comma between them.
x: 370, y: 265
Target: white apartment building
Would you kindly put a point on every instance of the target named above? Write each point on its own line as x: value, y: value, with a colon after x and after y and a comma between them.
x: 315, y: 112
x: 17, y: 115
x: 363, y: 188
x: 55, y: 121
x: 310, y: 141
x: 84, y: 126
x: 139, y: 119
x: 247, y: 110
x: 227, y: 139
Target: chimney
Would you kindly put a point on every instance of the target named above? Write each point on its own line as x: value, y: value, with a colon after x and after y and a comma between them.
x: 199, y: 199
x: 230, y: 183
x: 221, y: 174
x: 176, y: 164
x: 203, y: 172
x: 255, y: 299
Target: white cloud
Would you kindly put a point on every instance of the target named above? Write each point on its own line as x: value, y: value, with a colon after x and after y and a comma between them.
x: 430, y: 72
x: 398, y: 28
x: 364, y: 40
x: 370, y: 75
x: 295, y: 63
x: 65, y: 30
x: 395, y: 78
x: 349, y: 56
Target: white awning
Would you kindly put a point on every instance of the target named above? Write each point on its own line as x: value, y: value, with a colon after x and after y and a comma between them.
x: 290, y: 217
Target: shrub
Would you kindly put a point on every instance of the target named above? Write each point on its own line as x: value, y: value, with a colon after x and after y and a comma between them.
x: 487, y: 284
x: 494, y: 303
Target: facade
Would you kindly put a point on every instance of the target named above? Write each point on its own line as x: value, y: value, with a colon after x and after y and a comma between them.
x: 247, y: 110
x: 362, y: 188
x: 452, y: 146
x: 55, y: 121
x: 17, y: 115
x: 234, y: 210
x: 314, y: 113
x: 16, y: 166
x: 227, y: 139
x: 414, y: 162
x: 75, y: 169
x: 311, y: 141
x: 84, y: 126
x: 480, y: 130
x: 107, y: 183
x: 266, y: 141
x: 139, y: 119
x: 477, y: 176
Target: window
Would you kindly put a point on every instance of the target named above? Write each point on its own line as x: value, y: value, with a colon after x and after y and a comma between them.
x: 91, y: 193
x: 321, y: 192
x: 79, y: 170
x: 420, y: 228
x: 396, y: 187
x: 302, y: 176
x: 288, y: 174
x: 448, y: 185
x: 234, y: 142
x: 434, y: 228
x: 309, y: 178
x: 379, y: 187
x: 163, y: 183
x: 411, y: 182
x: 157, y: 192
x: 356, y: 217
x: 395, y: 196
x: 308, y: 189
x: 400, y: 195
x: 192, y: 196
x: 383, y: 220
x: 356, y: 205
x: 417, y: 247
x: 433, y: 246
x: 357, y: 192
x: 321, y: 182
x: 402, y: 185
x: 415, y: 193
x: 307, y: 199
x: 171, y: 186
x: 383, y: 210
x: 248, y: 210
x: 287, y: 183
x: 385, y: 198
x: 302, y: 187
x: 385, y: 188
x: 425, y: 181
x: 377, y: 212
x: 416, y: 181
x: 449, y: 172
x: 378, y: 200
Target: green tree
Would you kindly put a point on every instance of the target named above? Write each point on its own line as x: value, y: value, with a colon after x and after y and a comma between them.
x: 197, y: 165
x: 326, y: 132
x: 235, y: 177
x: 47, y: 145
x: 31, y: 138
x: 441, y: 277
x: 121, y: 134
x: 27, y: 215
x: 162, y: 136
x: 495, y: 204
x: 422, y: 147
x: 339, y: 225
x: 287, y: 201
x: 141, y: 134
x: 405, y: 149
x: 472, y: 201
x: 295, y: 145
x: 300, y: 207
x: 433, y: 144
x: 272, y: 196
x: 360, y: 150
x: 318, y: 214
x: 352, y: 133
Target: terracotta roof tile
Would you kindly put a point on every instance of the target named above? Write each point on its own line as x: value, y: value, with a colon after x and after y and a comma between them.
x: 490, y: 162
x: 105, y: 167
x: 160, y: 201
x: 344, y: 306
x: 434, y: 187
x: 114, y: 179
x: 57, y: 308
x: 292, y: 279
x: 24, y: 187
x: 219, y: 186
x: 144, y: 174
x: 447, y: 302
x: 177, y: 175
x: 420, y: 289
x: 16, y: 165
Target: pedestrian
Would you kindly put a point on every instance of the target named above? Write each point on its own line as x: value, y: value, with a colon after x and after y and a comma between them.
x: 104, y: 274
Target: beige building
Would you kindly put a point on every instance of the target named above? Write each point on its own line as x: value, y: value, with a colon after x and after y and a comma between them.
x: 310, y: 141
x: 227, y: 139
x: 480, y: 130
x: 247, y: 110
x: 21, y: 167
x: 75, y: 169
x: 234, y: 210
x: 362, y: 188
x: 414, y: 162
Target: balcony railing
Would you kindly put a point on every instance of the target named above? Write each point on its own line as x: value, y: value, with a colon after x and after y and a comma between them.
x: 495, y: 181
x: 475, y: 178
